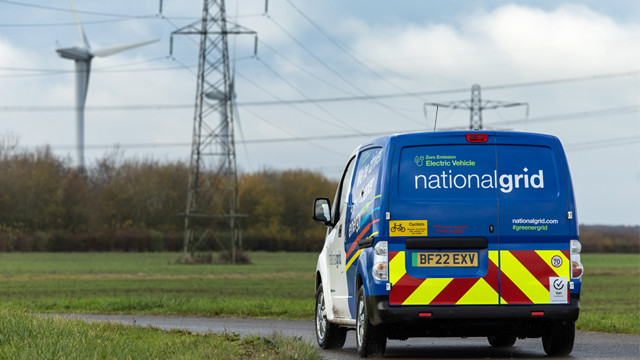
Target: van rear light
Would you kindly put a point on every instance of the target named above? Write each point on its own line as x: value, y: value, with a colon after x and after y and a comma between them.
x: 576, y: 263
x: 425, y: 314
x: 576, y: 269
x: 477, y: 138
x: 380, y: 269
x: 576, y: 247
x: 537, y: 313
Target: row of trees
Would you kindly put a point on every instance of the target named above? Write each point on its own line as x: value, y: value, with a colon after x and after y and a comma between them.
x: 602, y: 238
x: 133, y: 205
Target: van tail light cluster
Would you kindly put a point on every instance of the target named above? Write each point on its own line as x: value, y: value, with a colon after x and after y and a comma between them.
x: 576, y: 264
x: 381, y: 261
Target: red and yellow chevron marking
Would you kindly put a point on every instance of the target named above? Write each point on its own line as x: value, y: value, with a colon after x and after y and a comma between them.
x: 524, y: 279
x: 408, y: 290
x: 525, y: 274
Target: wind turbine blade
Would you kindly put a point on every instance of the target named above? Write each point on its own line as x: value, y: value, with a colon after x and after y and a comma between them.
x: 107, y: 51
x: 83, y: 36
x: 236, y: 114
x: 234, y: 103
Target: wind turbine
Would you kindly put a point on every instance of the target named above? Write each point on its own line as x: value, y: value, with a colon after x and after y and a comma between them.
x: 82, y: 56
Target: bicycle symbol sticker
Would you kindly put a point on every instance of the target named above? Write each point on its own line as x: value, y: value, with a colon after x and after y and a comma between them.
x: 398, y: 227
x: 408, y: 228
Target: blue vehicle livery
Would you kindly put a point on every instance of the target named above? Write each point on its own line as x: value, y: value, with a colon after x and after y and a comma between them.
x: 451, y: 234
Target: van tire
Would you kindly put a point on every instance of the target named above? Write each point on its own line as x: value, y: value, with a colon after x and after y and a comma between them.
x: 501, y: 340
x: 558, y: 339
x: 370, y: 340
x: 328, y: 335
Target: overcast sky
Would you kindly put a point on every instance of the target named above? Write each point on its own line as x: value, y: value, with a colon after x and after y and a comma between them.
x: 576, y: 64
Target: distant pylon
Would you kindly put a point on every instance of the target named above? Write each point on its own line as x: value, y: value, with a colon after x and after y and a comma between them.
x: 213, y: 154
x: 476, y: 105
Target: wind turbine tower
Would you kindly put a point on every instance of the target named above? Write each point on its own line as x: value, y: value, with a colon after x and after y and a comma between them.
x: 82, y: 55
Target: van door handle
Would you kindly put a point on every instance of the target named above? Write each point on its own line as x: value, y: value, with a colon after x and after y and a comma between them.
x: 340, y: 230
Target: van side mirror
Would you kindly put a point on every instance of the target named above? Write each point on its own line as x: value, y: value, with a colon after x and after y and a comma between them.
x: 322, y: 211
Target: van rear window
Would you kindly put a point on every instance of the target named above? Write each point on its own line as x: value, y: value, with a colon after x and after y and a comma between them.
x: 477, y: 171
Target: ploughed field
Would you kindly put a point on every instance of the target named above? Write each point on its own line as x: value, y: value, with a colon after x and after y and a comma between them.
x: 274, y: 285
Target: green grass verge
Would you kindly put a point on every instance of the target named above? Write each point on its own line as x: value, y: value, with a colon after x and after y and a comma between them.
x: 24, y: 336
x: 610, y: 296
x: 275, y: 285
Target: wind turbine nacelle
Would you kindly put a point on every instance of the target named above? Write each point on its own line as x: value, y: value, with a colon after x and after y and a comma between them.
x: 75, y: 53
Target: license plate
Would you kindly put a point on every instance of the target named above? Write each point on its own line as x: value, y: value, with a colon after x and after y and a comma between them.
x: 445, y: 259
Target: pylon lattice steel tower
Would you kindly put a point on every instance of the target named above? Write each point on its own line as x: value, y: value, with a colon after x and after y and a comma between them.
x: 475, y: 106
x: 212, y: 167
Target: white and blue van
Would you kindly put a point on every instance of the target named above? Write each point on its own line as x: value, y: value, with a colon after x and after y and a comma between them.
x: 451, y: 234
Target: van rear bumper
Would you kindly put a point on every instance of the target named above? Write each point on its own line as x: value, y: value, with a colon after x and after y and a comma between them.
x: 469, y: 320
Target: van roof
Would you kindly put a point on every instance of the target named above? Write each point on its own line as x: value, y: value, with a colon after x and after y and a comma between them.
x: 512, y: 135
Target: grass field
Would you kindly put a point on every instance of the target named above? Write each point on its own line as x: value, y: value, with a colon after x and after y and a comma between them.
x: 24, y: 336
x: 610, y: 298
x: 275, y: 285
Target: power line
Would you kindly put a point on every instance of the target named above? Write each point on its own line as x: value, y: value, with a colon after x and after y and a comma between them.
x: 568, y: 116
x: 575, y: 115
x: 342, y: 47
x: 69, y: 24
x: 10, y: 68
x: 35, y: 72
x: 337, y: 74
x: 294, y: 106
x: 306, y: 71
x: 297, y: 108
x: 64, y: 72
x: 245, y: 142
x: 603, y: 143
x: 440, y: 92
x: 57, y: 108
x: 51, y: 8
x: 569, y: 147
x: 340, y: 123
x: 280, y: 101
x: 295, y: 138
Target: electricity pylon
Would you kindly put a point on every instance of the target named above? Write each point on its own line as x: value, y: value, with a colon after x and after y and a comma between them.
x: 475, y: 105
x: 212, y: 168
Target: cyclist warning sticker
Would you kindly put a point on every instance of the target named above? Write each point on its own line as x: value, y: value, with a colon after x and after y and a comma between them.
x: 408, y: 228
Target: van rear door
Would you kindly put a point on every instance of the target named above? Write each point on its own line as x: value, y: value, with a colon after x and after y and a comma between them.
x: 444, y: 219
x: 534, y: 229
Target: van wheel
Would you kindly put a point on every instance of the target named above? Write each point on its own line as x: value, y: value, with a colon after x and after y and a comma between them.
x: 558, y: 340
x: 328, y: 335
x: 501, y: 340
x: 370, y: 340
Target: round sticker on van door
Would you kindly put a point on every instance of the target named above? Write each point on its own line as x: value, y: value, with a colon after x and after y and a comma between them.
x: 556, y: 261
